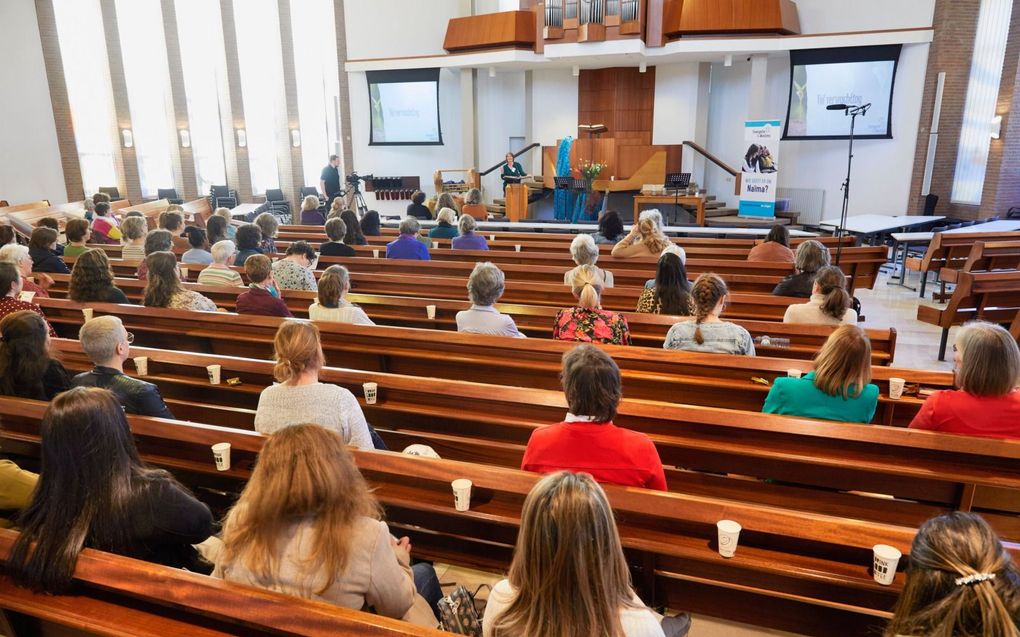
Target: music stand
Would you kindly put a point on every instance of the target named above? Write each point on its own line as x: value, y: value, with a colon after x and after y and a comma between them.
x: 677, y: 181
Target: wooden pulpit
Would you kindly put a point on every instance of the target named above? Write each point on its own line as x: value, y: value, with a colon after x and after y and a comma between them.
x: 516, y: 202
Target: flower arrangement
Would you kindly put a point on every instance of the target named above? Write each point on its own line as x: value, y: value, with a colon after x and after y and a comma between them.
x: 590, y: 170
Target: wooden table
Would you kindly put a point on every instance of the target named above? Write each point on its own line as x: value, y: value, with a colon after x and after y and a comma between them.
x: 687, y: 200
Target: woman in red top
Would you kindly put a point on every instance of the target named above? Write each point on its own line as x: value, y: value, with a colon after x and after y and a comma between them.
x: 588, y: 322
x: 987, y: 371
x: 10, y: 290
x: 588, y: 440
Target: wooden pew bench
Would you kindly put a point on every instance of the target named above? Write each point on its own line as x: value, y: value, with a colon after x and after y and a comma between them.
x: 984, y: 256
x: 951, y: 251
x: 987, y: 296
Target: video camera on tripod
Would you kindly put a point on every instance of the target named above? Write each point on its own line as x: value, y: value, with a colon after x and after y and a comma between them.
x: 354, y: 180
x: 353, y: 193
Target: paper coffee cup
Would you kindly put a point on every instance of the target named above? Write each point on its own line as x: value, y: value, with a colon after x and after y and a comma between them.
x: 461, y: 494
x: 221, y: 454
x: 87, y: 313
x: 142, y: 365
x: 517, y: 247
x: 492, y: 237
x: 430, y: 311
x: 184, y: 273
x: 371, y: 392
x: 794, y: 373
x: 375, y: 254
x: 214, y: 373
x: 26, y: 297
x: 886, y: 559
x: 896, y: 388
x: 729, y: 534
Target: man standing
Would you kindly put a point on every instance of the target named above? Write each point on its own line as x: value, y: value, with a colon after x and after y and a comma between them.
x: 329, y: 180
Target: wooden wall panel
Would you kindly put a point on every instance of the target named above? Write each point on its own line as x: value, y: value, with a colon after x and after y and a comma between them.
x: 695, y: 17
x: 491, y: 30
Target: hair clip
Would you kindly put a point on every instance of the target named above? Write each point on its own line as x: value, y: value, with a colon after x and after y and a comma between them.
x: 975, y: 578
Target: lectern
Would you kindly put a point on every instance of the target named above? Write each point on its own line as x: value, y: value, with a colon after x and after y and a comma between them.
x: 516, y: 202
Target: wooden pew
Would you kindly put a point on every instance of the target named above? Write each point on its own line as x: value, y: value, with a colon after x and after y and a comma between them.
x: 197, y: 212
x: 987, y: 296
x: 115, y: 595
x: 984, y: 256
x: 43, y: 203
x: 150, y: 210
x: 951, y: 251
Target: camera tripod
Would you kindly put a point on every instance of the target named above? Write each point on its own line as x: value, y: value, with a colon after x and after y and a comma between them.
x: 355, y: 200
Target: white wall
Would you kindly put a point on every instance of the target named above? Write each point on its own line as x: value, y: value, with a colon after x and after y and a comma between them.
x: 30, y: 162
x: 681, y: 109
x: 553, y: 110
x: 500, y: 115
x: 830, y: 16
x: 399, y: 28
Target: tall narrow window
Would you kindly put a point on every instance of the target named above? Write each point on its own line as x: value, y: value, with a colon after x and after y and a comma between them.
x: 261, y: 60
x: 146, y: 72
x: 318, y: 89
x: 89, y: 92
x: 982, y: 96
x: 203, y: 61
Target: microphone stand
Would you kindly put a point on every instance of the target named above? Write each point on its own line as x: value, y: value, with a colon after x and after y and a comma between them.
x: 853, y: 113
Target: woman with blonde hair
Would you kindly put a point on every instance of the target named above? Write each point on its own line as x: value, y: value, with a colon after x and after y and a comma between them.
x: 587, y: 321
x: 308, y: 525
x: 310, y: 213
x: 960, y: 581
x: 645, y: 238
x: 299, y: 397
x: 707, y: 332
x: 987, y: 371
x: 584, y: 251
x: 446, y: 200
x: 331, y: 303
x: 569, y: 577
x: 445, y: 225
x: 840, y: 386
x: 829, y: 303
x: 163, y: 286
x: 468, y: 238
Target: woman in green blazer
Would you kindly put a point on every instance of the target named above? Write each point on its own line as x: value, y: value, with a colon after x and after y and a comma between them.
x: 511, y: 168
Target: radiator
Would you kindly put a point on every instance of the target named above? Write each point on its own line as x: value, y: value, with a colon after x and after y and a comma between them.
x: 809, y: 202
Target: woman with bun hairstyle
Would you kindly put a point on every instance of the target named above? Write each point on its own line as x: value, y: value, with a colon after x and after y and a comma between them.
x: 707, y: 332
x: 829, y: 303
x: 587, y: 321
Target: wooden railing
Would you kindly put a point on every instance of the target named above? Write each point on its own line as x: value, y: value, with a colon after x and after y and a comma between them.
x: 733, y: 172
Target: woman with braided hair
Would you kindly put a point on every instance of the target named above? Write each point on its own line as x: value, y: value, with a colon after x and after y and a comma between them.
x: 588, y: 322
x: 707, y: 332
x: 961, y: 582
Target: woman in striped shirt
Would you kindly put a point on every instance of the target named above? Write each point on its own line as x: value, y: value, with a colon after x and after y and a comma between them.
x: 219, y: 273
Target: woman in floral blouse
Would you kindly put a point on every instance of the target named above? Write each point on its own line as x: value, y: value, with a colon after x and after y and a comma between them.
x: 587, y: 322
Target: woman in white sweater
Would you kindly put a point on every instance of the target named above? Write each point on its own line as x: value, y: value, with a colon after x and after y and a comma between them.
x: 300, y: 398
x: 829, y: 303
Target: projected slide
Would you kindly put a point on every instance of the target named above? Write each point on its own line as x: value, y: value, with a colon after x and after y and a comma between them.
x: 841, y: 76
x: 404, y: 107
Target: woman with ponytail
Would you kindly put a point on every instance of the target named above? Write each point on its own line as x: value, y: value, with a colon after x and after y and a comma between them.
x: 829, y: 304
x: 299, y: 397
x: 707, y: 332
x: 961, y: 582
x: 588, y: 322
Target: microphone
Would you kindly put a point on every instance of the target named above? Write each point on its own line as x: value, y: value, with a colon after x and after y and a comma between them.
x: 836, y: 107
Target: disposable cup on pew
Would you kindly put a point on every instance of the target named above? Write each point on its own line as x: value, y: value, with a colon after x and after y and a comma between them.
x: 214, y: 373
x: 87, y: 313
x: 896, y: 386
x: 142, y: 365
x: 794, y: 373
x: 371, y: 392
x: 461, y: 494
x: 492, y: 237
x: 221, y: 454
x: 517, y: 247
x: 184, y: 272
x: 729, y: 535
x: 886, y: 559
x: 430, y: 311
x: 375, y: 254
x: 26, y: 296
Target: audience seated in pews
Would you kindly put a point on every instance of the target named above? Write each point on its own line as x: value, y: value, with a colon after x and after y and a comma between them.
x: 645, y: 238
x: 370, y: 225
x: 587, y: 321
x: 473, y: 206
x: 54, y: 225
x: 417, y: 208
x: 960, y: 580
x: 444, y: 228
x: 27, y: 369
x: 445, y: 200
x: 198, y: 253
x: 155, y: 241
x: 216, y: 229
x: 248, y: 240
x: 485, y: 285
x: 263, y: 295
x: 331, y: 303
x: 587, y: 440
x: 11, y: 287
x: 610, y: 230
x: 94, y: 492
x: 569, y: 575
x: 224, y: 213
x: 468, y: 238
x: 308, y: 525
x: 407, y: 246
x: 134, y: 229
x: 163, y: 286
x: 354, y: 236
x: 707, y: 332
x: 294, y: 271
x: 17, y: 255
x: 108, y: 345
x: 829, y: 303
x: 671, y: 293
x: 104, y: 225
x: 987, y: 371
x: 840, y: 386
x: 220, y: 272
x: 584, y: 252
x: 269, y: 225
x: 173, y: 222
x: 811, y: 256
x: 299, y: 397
x: 336, y: 229
x: 7, y: 234
x: 92, y: 280
x: 41, y: 248
x: 16, y: 486
x: 776, y: 246
x: 78, y: 234
x: 310, y: 213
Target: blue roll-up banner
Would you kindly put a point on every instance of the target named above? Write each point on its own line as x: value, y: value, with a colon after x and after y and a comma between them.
x: 760, y: 169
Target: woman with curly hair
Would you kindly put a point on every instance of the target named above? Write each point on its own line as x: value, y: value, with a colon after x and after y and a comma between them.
x: 92, y: 279
x: 645, y: 238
